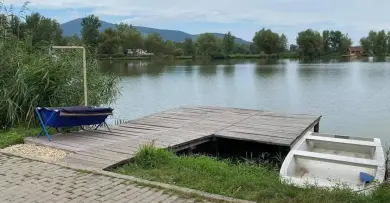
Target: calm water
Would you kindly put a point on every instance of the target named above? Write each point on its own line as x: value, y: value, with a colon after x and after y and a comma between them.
x: 353, y: 97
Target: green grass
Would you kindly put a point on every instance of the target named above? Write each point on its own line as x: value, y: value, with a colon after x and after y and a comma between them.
x: 258, y: 183
x: 15, y: 136
x: 10, y: 138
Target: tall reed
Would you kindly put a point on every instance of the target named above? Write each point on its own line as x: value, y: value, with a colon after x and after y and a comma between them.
x: 31, y: 77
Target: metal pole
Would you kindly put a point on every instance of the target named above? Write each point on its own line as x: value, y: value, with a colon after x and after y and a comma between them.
x: 84, y: 68
x: 85, y: 78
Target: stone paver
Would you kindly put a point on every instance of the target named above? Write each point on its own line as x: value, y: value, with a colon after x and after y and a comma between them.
x: 25, y: 180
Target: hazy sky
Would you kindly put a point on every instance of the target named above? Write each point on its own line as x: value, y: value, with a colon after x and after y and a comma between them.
x: 243, y: 17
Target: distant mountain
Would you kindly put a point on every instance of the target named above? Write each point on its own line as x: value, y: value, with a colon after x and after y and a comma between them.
x: 73, y: 27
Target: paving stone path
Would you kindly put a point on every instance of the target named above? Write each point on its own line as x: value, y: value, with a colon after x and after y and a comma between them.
x: 25, y: 180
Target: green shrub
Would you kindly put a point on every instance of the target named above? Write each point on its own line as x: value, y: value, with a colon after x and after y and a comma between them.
x: 118, y: 55
x: 148, y: 156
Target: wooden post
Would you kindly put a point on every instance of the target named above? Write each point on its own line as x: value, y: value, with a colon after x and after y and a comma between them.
x: 317, y: 127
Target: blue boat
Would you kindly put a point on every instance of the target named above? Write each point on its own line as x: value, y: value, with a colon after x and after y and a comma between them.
x: 60, y: 117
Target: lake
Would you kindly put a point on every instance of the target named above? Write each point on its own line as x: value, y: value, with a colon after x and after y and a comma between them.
x: 353, y: 97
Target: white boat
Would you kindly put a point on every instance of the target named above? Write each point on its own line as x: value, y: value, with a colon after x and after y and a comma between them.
x: 334, y: 161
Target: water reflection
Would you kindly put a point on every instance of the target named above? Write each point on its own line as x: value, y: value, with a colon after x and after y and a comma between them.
x: 308, y: 71
x: 269, y: 71
x: 228, y: 70
x: 270, y: 61
x: 352, y: 96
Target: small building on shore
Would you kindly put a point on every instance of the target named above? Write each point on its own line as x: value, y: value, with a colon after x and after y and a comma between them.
x: 138, y: 52
x: 355, y: 51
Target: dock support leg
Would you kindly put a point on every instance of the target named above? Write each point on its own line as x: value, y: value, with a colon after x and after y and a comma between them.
x: 216, y: 146
x: 317, y: 128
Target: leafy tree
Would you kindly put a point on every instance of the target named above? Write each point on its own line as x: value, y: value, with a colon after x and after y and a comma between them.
x: 326, y: 41
x: 32, y: 21
x: 73, y: 40
x: 43, y: 30
x: 376, y: 43
x: 335, y: 42
x: 154, y: 43
x: 228, y: 43
x: 123, y: 27
x: 345, y: 43
x: 169, y: 48
x: 283, y: 43
x: 189, y: 47
x: 388, y: 42
x: 90, y: 30
x: 130, y: 38
x: 108, y: 41
x: 293, y: 47
x: 310, y: 43
x: 179, y: 52
x: 253, y: 48
x: 267, y: 41
x: 241, y: 49
x: 48, y: 30
x: 207, y: 44
x: 366, y: 45
x: 17, y: 27
x: 380, y: 44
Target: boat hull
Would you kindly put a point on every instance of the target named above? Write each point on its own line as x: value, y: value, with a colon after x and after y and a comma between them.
x: 334, y: 161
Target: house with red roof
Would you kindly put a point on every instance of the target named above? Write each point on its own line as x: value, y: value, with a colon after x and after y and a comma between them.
x: 355, y: 51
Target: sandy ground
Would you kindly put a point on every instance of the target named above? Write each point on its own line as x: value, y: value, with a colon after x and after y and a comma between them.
x: 43, y: 152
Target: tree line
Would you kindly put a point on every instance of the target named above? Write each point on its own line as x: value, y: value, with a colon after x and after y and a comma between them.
x: 124, y: 39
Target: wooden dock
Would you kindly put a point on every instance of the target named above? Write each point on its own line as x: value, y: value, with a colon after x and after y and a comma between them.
x: 178, y: 129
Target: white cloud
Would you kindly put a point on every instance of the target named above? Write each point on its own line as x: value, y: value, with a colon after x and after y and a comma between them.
x: 357, y: 15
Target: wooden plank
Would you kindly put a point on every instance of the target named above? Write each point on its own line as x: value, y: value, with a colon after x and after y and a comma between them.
x: 236, y: 111
x: 279, y: 133
x: 135, y: 130
x: 281, y: 119
x: 256, y: 134
x: 139, y: 126
x: 105, y: 137
x: 122, y: 133
x: 267, y: 126
x: 83, y: 140
x: 277, y: 123
x: 157, y: 124
x: 286, y: 115
x: 262, y: 139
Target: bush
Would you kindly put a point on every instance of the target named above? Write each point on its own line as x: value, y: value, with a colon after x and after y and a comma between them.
x: 118, y: 55
x: 149, y: 156
x: 30, y: 77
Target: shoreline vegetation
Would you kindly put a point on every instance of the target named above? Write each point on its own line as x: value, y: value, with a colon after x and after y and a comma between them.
x: 244, y: 180
x: 104, y: 57
x: 167, y: 57
x: 125, y: 42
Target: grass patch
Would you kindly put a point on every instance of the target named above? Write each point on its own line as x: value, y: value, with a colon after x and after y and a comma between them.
x: 10, y: 138
x: 248, y: 181
x: 15, y: 136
